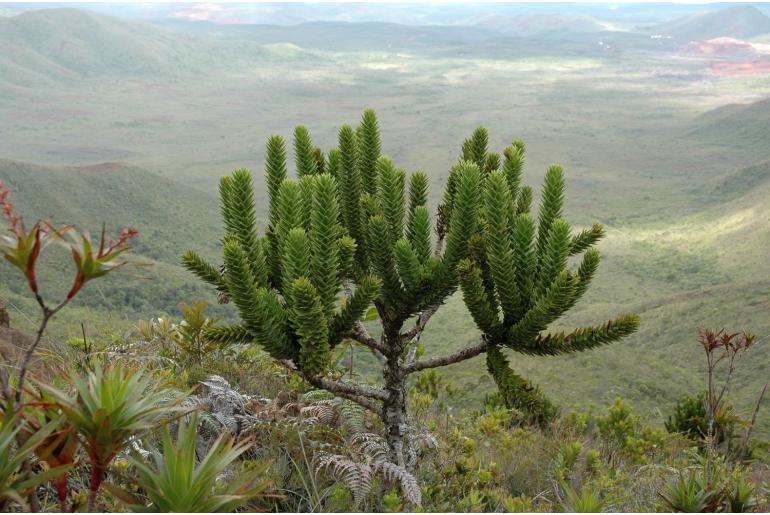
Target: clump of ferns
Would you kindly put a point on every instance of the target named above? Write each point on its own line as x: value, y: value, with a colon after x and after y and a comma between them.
x: 367, y: 459
x: 331, y: 435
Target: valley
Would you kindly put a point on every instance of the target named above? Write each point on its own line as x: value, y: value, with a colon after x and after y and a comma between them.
x: 133, y: 122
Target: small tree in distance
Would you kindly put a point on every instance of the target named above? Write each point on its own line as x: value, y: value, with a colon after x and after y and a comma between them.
x: 350, y: 231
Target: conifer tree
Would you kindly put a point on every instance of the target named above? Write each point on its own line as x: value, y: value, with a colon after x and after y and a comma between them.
x: 354, y: 230
x: 516, y: 281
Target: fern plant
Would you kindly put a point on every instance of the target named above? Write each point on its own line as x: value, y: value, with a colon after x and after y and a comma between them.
x: 516, y: 281
x: 368, y: 458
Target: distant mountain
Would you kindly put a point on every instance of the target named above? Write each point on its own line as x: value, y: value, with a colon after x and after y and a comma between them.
x: 72, y: 42
x: 527, y: 24
x: 735, y: 22
x: 737, y: 125
x: 59, y: 44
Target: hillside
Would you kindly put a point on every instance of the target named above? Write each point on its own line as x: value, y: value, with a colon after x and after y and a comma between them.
x: 744, y: 126
x: 528, y: 24
x: 47, y: 46
x: 735, y: 22
x: 69, y: 43
x: 168, y: 214
x: 620, y: 116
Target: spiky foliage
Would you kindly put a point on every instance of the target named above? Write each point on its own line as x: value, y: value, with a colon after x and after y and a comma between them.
x: 108, y: 407
x: 288, y: 290
x: 517, y: 280
x: 368, y: 150
x: 517, y: 392
x: 305, y: 159
x: 275, y: 172
x: 364, y: 229
x: 14, y: 483
x: 175, y: 481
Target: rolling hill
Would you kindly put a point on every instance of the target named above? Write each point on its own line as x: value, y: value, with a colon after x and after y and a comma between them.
x: 50, y: 45
x: 744, y: 126
x: 170, y: 217
x: 687, y: 218
x: 72, y: 43
x: 528, y: 24
x: 736, y: 22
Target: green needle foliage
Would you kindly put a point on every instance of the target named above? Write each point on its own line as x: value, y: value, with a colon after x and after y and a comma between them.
x: 175, y: 481
x: 287, y: 284
x: 517, y: 280
x: 304, y: 152
x: 336, y: 243
x: 361, y: 234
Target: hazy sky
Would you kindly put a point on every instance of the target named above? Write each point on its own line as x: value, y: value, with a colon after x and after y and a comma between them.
x: 429, y: 13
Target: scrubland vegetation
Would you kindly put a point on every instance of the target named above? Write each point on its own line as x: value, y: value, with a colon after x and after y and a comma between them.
x: 401, y: 313
x: 173, y: 416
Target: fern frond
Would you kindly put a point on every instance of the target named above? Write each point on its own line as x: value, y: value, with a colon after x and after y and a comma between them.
x: 396, y: 474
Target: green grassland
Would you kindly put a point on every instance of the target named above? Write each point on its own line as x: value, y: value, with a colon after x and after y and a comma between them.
x: 679, y: 180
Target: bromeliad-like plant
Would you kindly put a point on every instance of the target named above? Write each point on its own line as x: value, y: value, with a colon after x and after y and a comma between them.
x: 109, y: 407
x: 517, y: 281
x: 15, y: 482
x: 59, y: 448
x: 175, y: 481
x: 22, y: 248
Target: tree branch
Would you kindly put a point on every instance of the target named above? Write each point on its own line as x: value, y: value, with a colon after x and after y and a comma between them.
x: 48, y: 314
x: 419, y: 326
x: 362, y: 336
x: 462, y: 355
x: 359, y: 332
x: 338, y: 387
x: 363, y: 402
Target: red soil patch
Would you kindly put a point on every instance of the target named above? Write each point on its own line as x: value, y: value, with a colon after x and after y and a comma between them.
x: 740, y: 68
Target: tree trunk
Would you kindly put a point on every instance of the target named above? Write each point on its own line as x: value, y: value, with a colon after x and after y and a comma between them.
x: 394, y: 409
x: 394, y: 414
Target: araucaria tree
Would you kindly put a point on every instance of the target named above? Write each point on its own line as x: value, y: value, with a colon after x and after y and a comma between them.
x: 516, y: 280
x: 353, y: 230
